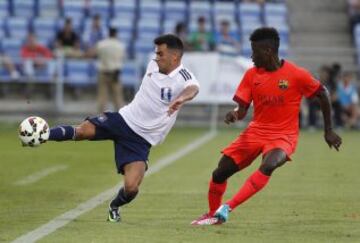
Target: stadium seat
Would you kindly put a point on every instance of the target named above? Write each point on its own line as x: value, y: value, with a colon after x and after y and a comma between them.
x: 277, y: 9
x: 48, y: 9
x: 100, y: 7
x: 169, y: 25
x: 130, y: 74
x: 124, y: 7
x: 249, y: 11
x: 175, y: 11
x: 150, y: 9
x: 4, y: 9
x: 74, y: 8
x: 24, y: 8
x: 17, y: 27
x: 198, y: 9
x: 224, y: 11
x: 79, y: 72
x: 11, y: 47
x: 125, y: 28
x: 4, y: 74
x: 142, y: 48
x: 148, y: 28
x: 44, y: 28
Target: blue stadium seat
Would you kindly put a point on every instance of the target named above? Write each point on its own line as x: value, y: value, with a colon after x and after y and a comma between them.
x: 150, y: 9
x: 45, y: 28
x: 175, y: 11
x: 48, y: 9
x: 198, y: 9
x: 122, y: 8
x: 148, y: 28
x: 142, y: 48
x: 74, y: 8
x: 130, y: 74
x: 100, y: 7
x: 249, y: 11
x: 24, y: 8
x: 17, y: 27
x: 277, y: 9
x: 4, y: 9
x: 224, y: 11
x: 125, y: 28
x: 4, y: 74
x: 12, y: 46
x: 79, y: 72
x: 169, y: 25
x: 88, y: 23
x: 3, y: 32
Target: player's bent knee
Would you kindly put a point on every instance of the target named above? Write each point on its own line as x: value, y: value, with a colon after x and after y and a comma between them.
x: 85, y: 130
x: 218, y: 177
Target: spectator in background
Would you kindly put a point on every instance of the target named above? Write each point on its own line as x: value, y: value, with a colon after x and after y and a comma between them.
x: 111, y: 54
x: 226, y: 42
x: 313, y: 105
x: 201, y: 40
x: 9, y: 66
x: 182, y: 32
x: 94, y: 35
x: 334, y: 76
x: 67, y: 41
x: 354, y: 13
x: 349, y: 100
x: 36, y: 57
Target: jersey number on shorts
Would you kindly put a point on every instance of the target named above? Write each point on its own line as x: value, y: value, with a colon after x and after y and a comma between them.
x: 166, y: 94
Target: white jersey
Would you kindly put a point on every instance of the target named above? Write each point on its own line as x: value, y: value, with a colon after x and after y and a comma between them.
x: 147, y: 113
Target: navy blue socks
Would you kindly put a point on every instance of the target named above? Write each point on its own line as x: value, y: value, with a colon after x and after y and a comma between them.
x: 62, y: 133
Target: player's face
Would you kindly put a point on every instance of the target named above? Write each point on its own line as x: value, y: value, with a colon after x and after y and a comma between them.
x: 165, y: 58
x: 261, y: 54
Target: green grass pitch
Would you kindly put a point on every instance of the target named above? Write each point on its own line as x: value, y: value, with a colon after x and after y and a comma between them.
x: 314, y: 198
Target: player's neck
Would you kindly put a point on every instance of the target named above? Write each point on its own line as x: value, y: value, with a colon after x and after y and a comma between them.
x: 274, y: 65
x: 170, y: 70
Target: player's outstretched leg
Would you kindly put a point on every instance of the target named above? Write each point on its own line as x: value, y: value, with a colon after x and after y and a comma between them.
x: 85, y: 130
x: 133, y: 175
x: 217, y: 188
x: 258, y: 180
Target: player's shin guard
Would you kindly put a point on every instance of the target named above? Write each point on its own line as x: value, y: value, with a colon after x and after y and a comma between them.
x: 251, y: 186
x: 62, y: 133
x: 122, y: 198
x: 215, y: 194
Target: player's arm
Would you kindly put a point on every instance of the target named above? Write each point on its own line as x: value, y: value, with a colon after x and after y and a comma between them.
x: 237, y: 114
x: 187, y: 94
x: 331, y: 138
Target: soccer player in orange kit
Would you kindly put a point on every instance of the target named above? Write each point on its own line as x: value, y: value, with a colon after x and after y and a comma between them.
x: 276, y: 88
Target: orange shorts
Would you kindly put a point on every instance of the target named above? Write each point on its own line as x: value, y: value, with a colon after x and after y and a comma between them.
x: 250, y: 144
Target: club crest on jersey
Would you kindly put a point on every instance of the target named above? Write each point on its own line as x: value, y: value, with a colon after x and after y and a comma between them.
x: 283, y: 84
x: 166, y: 94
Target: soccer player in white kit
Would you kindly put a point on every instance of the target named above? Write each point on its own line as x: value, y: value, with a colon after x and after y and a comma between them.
x: 144, y: 122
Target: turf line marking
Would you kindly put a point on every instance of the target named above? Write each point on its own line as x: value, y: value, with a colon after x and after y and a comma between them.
x: 40, y: 174
x: 84, y: 207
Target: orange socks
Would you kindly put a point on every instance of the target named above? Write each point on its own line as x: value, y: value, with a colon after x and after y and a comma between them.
x: 215, y: 194
x: 251, y: 186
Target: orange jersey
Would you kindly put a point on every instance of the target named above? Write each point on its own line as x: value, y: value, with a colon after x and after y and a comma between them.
x: 276, y: 97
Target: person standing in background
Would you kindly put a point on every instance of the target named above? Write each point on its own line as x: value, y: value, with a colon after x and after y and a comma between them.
x: 111, y: 54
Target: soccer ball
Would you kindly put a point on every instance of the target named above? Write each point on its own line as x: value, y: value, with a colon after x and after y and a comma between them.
x: 33, y: 131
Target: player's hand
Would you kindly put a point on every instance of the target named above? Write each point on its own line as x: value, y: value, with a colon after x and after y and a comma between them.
x: 231, y: 117
x: 332, y: 139
x: 175, y: 105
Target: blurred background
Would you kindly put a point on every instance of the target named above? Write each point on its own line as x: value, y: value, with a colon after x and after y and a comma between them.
x: 49, y: 60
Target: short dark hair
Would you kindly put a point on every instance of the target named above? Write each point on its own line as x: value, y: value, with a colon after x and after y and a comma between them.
x: 267, y: 34
x: 171, y: 41
x: 112, y: 32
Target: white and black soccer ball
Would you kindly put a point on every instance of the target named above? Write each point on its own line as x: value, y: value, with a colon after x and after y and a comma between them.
x: 33, y: 131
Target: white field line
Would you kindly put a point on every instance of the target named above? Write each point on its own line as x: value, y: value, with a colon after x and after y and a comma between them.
x: 84, y: 207
x: 39, y: 175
